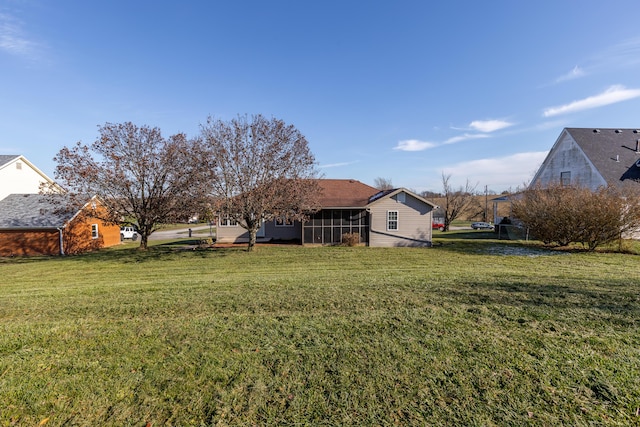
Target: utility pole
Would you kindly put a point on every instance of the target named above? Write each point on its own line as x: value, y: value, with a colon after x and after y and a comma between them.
x: 486, y: 202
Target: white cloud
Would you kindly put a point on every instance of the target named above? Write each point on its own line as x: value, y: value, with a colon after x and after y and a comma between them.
x: 624, y: 54
x: 417, y: 145
x: 497, y: 173
x: 464, y: 137
x: 12, y: 39
x: 489, y: 125
x: 575, y: 73
x: 612, y: 95
x: 336, y: 165
x: 413, y: 145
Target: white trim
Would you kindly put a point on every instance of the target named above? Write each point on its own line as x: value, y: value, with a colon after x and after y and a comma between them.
x: 95, y: 231
x: 227, y: 221
x: 281, y: 222
x: 396, y: 220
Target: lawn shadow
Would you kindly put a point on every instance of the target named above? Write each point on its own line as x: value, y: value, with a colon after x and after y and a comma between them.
x: 597, y: 296
x: 131, y: 253
x: 464, y: 234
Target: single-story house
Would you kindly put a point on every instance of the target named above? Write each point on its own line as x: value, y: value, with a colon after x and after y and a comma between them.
x: 592, y: 158
x: 18, y: 176
x: 32, y: 224
x: 396, y: 217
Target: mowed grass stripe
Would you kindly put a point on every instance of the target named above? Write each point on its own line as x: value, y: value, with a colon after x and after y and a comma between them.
x: 453, y: 335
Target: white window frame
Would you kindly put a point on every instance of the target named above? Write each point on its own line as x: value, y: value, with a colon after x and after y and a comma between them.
x: 393, y: 221
x: 227, y: 221
x: 282, y: 222
x: 95, y: 231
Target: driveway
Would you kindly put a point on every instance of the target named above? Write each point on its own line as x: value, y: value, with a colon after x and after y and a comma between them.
x: 199, y: 231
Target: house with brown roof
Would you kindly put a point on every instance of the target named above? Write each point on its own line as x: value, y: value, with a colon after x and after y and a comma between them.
x: 592, y: 158
x: 396, y: 217
x: 35, y: 224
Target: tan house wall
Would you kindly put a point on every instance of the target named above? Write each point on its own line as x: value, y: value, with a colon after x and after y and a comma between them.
x: 414, y: 222
x: 231, y: 234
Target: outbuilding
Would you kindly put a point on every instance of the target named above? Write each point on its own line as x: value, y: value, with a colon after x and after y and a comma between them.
x: 36, y: 224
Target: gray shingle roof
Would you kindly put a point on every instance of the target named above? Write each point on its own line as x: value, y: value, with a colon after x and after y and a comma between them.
x: 31, y: 211
x: 612, y: 152
x: 4, y: 158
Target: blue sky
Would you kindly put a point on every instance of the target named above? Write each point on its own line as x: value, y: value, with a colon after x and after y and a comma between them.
x: 403, y: 90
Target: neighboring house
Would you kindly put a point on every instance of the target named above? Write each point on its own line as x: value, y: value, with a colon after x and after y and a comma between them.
x: 592, y: 158
x: 394, y: 217
x: 18, y: 175
x: 31, y: 224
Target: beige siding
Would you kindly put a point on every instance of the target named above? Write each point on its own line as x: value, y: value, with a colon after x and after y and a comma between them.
x: 231, y: 234
x: 414, y: 222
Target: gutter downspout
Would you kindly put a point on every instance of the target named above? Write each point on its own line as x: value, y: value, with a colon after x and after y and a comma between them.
x: 61, y: 240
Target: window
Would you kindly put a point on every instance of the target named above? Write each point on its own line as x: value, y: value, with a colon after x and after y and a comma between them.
x: 327, y: 226
x: 227, y: 221
x: 94, y: 231
x: 392, y: 220
x: 18, y: 165
x: 565, y: 178
x: 402, y: 197
x: 284, y: 222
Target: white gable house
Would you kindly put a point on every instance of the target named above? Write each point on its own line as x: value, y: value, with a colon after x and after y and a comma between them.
x: 19, y: 176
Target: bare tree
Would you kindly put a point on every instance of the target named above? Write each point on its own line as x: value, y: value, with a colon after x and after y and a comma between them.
x: 456, y: 200
x: 563, y: 215
x: 427, y: 194
x: 264, y: 170
x: 383, y: 183
x: 140, y: 176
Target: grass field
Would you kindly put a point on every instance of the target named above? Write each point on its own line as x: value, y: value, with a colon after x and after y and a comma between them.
x: 472, y: 332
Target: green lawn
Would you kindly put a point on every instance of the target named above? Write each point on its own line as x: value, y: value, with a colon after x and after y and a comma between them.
x: 468, y: 333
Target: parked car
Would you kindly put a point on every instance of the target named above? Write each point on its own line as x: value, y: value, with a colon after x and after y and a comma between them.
x: 481, y: 226
x: 128, y: 233
x: 437, y: 225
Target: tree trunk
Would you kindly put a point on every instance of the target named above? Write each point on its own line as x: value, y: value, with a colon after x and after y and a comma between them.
x: 252, y: 239
x: 144, y: 238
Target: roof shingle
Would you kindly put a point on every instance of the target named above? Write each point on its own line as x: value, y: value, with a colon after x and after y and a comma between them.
x: 344, y: 193
x: 31, y: 211
x: 614, y: 152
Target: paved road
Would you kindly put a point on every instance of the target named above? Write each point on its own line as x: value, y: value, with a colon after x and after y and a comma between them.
x: 181, y: 233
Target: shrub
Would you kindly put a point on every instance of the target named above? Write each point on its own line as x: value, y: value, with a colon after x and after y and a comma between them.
x: 206, y: 243
x: 564, y: 215
x: 350, y: 239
